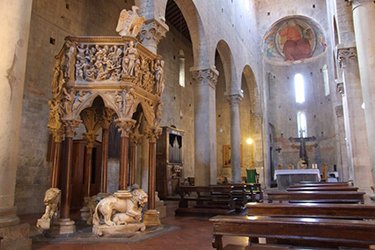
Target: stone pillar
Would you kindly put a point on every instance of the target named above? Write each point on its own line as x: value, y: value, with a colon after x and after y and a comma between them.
x: 14, y: 35
x: 151, y: 216
x: 364, y: 22
x: 125, y: 127
x: 356, y: 140
x: 152, y: 32
x: 205, y: 126
x: 342, y: 162
x: 134, y: 141
x: 106, y: 122
x: 235, y: 136
x: 65, y: 225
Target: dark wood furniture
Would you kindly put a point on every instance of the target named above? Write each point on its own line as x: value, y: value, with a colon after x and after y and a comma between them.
x: 205, y: 200
x: 313, y: 210
x: 323, y: 188
x: 321, y: 184
x: 320, y: 232
x: 317, y: 196
x: 169, y: 162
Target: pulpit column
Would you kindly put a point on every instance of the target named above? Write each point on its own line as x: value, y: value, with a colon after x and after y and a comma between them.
x: 356, y: 141
x: 90, y: 140
x: 134, y: 141
x: 364, y: 22
x: 151, y: 217
x: 205, y: 126
x: 106, y: 122
x: 65, y: 225
x: 15, y: 26
x: 125, y: 126
x: 56, y: 155
x: 235, y: 136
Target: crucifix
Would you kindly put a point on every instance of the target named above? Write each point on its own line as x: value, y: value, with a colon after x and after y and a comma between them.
x: 302, y: 147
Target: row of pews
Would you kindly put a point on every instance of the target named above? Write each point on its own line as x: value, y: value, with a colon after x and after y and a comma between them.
x: 217, y: 199
x: 307, y: 214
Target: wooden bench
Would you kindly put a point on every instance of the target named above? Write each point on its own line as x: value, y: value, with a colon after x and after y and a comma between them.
x: 321, y: 184
x: 320, y: 232
x: 205, y: 200
x: 323, y: 188
x: 317, y: 196
x: 312, y: 210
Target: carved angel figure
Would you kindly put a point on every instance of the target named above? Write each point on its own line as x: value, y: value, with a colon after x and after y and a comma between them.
x: 129, y: 23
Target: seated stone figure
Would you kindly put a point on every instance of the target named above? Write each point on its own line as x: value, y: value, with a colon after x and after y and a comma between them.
x: 52, y: 201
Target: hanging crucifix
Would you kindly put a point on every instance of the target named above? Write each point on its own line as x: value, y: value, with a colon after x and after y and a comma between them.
x: 302, y: 147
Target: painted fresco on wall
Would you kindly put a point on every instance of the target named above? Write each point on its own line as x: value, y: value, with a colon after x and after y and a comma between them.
x: 293, y: 40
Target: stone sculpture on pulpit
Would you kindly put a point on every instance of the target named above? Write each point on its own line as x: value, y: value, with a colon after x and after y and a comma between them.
x: 51, y: 201
x: 120, y: 213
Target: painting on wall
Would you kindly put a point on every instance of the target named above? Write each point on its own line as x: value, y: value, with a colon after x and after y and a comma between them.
x: 227, y: 156
x: 293, y: 40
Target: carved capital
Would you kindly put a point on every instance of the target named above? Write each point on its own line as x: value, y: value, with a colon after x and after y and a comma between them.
x: 91, y: 119
x: 345, y: 54
x: 206, y: 76
x: 124, y: 126
x: 153, y: 133
x: 107, y: 117
x: 234, y: 99
x: 339, y: 111
x: 340, y: 88
x: 57, y: 135
x: 153, y: 31
x: 136, y: 137
x: 90, y: 139
x: 70, y: 126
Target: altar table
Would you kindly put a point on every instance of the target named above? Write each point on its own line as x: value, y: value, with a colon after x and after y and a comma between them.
x: 287, y: 177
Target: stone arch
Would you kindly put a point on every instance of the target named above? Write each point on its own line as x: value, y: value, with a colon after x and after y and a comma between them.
x: 196, y: 30
x: 225, y: 53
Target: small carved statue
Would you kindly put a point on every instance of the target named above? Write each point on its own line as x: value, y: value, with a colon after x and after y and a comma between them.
x: 159, y: 76
x: 131, y: 56
x: 129, y: 103
x: 51, y: 201
x: 129, y: 22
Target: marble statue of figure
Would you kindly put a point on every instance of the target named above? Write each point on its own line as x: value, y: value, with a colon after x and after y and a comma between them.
x: 129, y: 22
x: 130, y: 57
x: 51, y: 201
x: 128, y: 208
x: 129, y: 103
x: 159, y: 76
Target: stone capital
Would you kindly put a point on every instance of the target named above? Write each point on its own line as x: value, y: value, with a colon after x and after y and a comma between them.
x: 152, y: 134
x: 107, y: 117
x: 345, y: 54
x: 70, y: 126
x: 234, y: 99
x: 152, y: 32
x: 125, y: 126
x: 205, y: 76
x: 90, y: 139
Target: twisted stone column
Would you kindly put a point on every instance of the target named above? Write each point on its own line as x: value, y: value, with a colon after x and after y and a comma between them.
x: 205, y: 126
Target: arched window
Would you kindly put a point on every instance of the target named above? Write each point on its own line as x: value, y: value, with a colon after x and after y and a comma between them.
x: 299, y: 88
x: 301, y: 124
x: 181, y: 58
x: 325, y: 79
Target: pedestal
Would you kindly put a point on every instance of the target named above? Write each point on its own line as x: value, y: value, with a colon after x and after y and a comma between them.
x: 151, y: 218
x: 64, y: 226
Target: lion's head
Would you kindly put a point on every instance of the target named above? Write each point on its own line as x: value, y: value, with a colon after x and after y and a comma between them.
x: 140, y: 196
x: 52, y: 196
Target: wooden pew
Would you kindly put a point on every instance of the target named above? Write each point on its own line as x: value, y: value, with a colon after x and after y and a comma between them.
x: 323, y: 188
x: 320, y: 232
x: 312, y: 210
x: 317, y: 196
x: 321, y: 184
x: 205, y: 200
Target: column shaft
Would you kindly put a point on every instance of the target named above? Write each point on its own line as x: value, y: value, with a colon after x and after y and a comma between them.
x: 124, y: 160
x: 133, y: 162
x: 364, y: 21
x: 152, y: 174
x: 66, y: 192
x: 56, y: 153
x: 104, y: 167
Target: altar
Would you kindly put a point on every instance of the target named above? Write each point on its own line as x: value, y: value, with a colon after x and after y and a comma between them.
x: 287, y: 177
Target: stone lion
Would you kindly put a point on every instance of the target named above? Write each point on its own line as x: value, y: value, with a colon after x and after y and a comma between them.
x: 51, y: 201
x: 130, y: 209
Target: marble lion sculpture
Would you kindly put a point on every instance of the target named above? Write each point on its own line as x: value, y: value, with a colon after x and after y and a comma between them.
x: 113, y: 210
x: 51, y: 201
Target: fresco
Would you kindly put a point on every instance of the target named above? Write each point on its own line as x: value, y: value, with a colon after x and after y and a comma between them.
x: 293, y: 40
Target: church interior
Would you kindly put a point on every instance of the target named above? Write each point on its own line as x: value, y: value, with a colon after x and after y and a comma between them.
x: 187, y: 124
